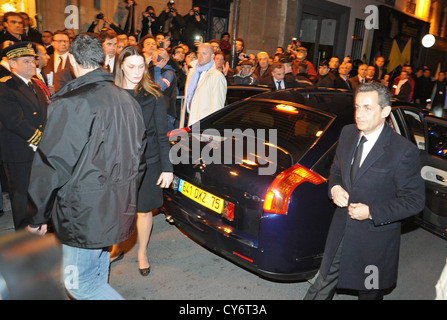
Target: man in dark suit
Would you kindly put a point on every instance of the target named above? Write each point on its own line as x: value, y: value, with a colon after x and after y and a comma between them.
x: 342, y: 81
x: 58, y: 64
x: 375, y: 183
x: 379, y: 68
x: 326, y: 78
x: 109, y: 42
x: 360, y: 78
x: 23, y: 114
x: 31, y: 33
x: 277, y: 79
x: 47, y: 39
x: 13, y: 23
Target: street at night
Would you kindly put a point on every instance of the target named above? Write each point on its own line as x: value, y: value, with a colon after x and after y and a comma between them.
x: 184, y: 270
x: 223, y: 151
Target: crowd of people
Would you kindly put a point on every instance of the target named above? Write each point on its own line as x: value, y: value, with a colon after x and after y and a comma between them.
x: 60, y: 91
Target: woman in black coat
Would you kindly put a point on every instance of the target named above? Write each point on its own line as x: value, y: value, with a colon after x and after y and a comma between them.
x: 133, y: 76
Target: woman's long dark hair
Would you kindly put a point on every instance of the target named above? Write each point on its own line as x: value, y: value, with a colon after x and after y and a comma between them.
x: 146, y: 82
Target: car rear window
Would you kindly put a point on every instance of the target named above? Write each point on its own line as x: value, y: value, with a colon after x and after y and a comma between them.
x: 296, y: 127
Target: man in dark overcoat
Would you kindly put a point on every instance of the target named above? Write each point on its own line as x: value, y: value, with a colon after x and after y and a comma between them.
x: 374, y: 186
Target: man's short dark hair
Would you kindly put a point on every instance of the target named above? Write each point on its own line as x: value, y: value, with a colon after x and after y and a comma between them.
x: 276, y: 65
x: 141, y: 43
x: 11, y: 14
x: 55, y: 33
x: 383, y: 92
x: 87, y: 50
x: 107, y: 34
x: 241, y: 40
x: 174, y: 51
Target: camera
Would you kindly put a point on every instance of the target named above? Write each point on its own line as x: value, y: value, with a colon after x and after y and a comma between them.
x: 196, y: 13
x: 197, y: 38
x: 100, y: 16
x: 246, y: 56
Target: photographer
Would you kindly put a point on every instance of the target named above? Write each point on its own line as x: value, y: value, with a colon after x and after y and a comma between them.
x: 292, y: 47
x: 112, y: 25
x: 150, y: 24
x: 195, y: 27
x: 171, y: 22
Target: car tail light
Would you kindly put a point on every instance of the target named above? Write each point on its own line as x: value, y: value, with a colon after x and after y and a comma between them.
x: 228, y: 211
x: 278, y: 194
x: 177, y: 132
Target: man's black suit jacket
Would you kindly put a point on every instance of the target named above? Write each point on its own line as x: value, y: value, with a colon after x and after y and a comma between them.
x: 289, y: 82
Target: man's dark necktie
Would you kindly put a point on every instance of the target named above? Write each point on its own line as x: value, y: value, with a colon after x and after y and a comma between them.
x: 357, y: 157
x: 279, y: 85
x: 61, y: 64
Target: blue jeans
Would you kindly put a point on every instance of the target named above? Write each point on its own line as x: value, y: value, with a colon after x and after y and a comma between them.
x: 85, y: 274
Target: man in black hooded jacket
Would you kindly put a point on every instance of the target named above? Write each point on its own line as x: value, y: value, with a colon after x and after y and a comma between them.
x: 89, y: 164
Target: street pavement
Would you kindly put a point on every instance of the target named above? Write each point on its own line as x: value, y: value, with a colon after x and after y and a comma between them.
x: 183, y: 270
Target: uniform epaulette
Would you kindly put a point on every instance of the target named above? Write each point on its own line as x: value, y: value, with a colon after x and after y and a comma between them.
x: 6, y: 78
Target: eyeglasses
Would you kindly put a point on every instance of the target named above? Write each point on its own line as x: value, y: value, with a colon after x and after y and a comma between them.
x: 61, y: 41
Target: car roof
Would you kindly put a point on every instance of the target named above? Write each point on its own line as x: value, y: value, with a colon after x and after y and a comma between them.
x: 338, y: 102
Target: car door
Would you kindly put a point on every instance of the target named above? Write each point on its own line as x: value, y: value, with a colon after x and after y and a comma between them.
x: 430, y: 136
x: 434, y: 172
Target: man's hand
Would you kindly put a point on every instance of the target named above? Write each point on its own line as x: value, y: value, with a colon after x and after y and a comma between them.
x: 340, y: 197
x: 39, y: 230
x: 358, y: 211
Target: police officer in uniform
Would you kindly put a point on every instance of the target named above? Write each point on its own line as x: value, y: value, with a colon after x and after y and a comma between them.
x: 23, y: 113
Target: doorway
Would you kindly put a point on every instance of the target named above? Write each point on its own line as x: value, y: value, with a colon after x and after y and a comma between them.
x: 322, y: 29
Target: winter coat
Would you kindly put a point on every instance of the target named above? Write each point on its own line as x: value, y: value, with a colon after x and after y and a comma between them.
x: 89, y: 163
x: 390, y: 183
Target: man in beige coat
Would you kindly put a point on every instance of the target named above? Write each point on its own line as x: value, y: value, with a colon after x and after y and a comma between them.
x: 206, y: 87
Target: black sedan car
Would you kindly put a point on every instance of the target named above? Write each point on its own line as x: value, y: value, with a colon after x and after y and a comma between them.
x: 251, y: 179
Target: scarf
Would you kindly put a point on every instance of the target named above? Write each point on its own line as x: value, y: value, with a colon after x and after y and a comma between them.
x: 195, y: 79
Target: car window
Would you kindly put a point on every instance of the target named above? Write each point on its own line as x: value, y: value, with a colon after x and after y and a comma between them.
x: 296, y: 127
x: 437, y: 140
x: 391, y: 120
x: 237, y: 93
x: 323, y: 166
x: 415, y: 127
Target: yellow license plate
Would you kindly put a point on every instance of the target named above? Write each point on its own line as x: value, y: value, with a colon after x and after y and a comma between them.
x: 200, y: 196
